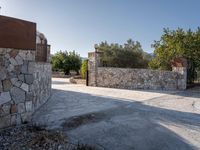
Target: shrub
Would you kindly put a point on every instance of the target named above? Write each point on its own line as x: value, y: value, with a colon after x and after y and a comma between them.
x: 84, y: 68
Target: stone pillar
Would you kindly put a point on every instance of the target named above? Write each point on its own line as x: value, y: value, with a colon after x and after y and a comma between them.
x: 92, y: 69
x: 179, y: 65
x: 93, y: 64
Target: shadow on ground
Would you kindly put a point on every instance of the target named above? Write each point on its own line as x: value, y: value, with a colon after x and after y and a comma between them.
x: 116, y: 124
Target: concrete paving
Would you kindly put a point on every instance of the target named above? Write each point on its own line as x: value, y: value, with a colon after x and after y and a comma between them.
x: 124, y: 119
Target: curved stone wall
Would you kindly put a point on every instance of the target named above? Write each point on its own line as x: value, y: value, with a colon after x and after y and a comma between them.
x: 24, y: 85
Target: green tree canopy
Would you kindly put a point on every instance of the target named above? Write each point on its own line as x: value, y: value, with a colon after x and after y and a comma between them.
x: 176, y: 43
x: 129, y: 55
x: 66, y: 61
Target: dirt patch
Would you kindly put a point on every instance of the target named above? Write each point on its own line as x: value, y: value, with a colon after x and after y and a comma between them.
x: 77, y: 121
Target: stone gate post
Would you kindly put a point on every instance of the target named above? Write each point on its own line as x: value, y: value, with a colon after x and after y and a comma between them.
x: 179, y: 65
x: 93, y: 64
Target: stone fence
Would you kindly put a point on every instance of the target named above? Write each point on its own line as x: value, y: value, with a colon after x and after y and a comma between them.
x: 127, y: 78
x: 25, y: 84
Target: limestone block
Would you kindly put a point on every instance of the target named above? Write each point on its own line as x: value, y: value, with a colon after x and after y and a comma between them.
x: 15, y: 119
x: 6, y: 85
x: 4, y: 97
x: 3, y: 73
x: 29, y: 96
x: 11, y: 67
x: 17, y: 70
x: 13, y: 109
x: 6, y: 109
x: 14, y: 80
x: 5, y: 121
x: 30, y: 56
x: 18, y: 83
x: 1, y: 87
x: 7, y: 56
x: 17, y: 94
x: 25, y: 87
x: 24, y: 68
x: 31, y: 67
x: 19, y: 60
x: 29, y: 106
x: 13, y: 53
x: 21, y: 108
x: 26, y: 117
x: 29, y: 78
x: 13, y: 61
x: 21, y: 77
x: 22, y: 54
x: 1, y: 61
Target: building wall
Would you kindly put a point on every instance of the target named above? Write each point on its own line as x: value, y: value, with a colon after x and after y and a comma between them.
x: 24, y: 85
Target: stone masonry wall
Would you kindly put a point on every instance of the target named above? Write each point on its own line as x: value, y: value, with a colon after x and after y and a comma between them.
x: 127, y: 78
x: 24, y: 85
x: 138, y: 79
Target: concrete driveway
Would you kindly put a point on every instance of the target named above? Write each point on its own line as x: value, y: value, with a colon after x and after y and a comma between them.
x: 115, y: 119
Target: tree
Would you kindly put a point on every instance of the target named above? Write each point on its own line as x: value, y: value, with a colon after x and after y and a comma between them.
x: 129, y: 55
x: 84, y: 68
x: 66, y: 62
x: 177, y: 43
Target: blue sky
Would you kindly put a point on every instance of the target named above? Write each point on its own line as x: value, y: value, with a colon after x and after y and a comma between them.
x: 79, y: 24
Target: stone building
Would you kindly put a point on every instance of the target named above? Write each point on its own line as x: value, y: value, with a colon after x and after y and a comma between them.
x: 25, y: 71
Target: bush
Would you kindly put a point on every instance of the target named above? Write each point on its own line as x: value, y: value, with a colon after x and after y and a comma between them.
x: 84, y: 68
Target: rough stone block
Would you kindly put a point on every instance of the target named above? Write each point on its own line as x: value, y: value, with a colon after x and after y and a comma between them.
x: 30, y: 56
x: 6, y: 109
x: 13, y: 109
x: 31, y: 67
x: 13, y: 53
x: 13, y: 61
x: 25, y: 87
x: 18, y: 95
x: 29, y: 106
x: 5, y: 121
x: 3, y: 73
x: 24, y: 68
x: 26, y: 117
x: 7, y: 56
x: 11, y: 67
x: 29, y: 96
x: 1, y: 87
x: 21, y: 108
x: 19, y: 60
x: 29, y: 78
x: 21, y: 77
x: 15, y: 119
x: 4, y: 97
x: 14, y: 80
x: 6, y: 85
x: 17, y: 70
x: 1, y: 61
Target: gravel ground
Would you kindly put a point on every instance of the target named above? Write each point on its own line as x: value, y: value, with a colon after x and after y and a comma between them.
x: 28, y: 137
x: 33, y: 138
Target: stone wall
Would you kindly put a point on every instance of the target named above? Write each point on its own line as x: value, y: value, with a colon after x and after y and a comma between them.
x: 24, y: 85
x: 138, y: 79
x: 127, y: 78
